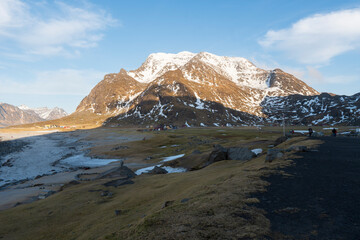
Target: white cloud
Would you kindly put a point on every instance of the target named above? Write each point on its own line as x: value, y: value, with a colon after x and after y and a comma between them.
x: 61, y: 32
x: 58, y: 82
x: 318, y: 38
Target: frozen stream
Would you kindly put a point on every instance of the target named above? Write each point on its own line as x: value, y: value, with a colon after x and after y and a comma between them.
x: 44, y: 155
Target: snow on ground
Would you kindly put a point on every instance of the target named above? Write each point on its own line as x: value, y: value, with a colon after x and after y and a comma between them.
x: 174, y: 170
x: 45, y: 155
x: 302, y: 131
x: 83, y: 161
x: 170, y: 158
x: 169, y: 169
x: 257, y: 151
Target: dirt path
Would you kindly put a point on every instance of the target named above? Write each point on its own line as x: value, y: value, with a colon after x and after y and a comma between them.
x: 321, y: 198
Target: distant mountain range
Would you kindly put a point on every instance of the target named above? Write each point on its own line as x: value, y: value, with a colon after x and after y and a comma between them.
x: 208, y: 90
x: 12, y: 115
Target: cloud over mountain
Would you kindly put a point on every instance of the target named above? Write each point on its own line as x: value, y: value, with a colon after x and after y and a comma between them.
x: 318, y: 38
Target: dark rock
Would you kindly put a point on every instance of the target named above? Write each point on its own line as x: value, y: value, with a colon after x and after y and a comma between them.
x: 106, y: 194
x: 317, y: 134
x: 196, y: 151
x: 298, y: 148
x: 218, y: 154
x: 73, y: 182
x: 122, y: 171
x: 280, y: 140
x: 167, y: 204
x: 38, y: 176
x: 148, y: 158
x: 185, y: 200
x: 117, y: 212
x: 240, y: 153
x: 119, y: 147
x: 273, y: 154
x: 118, y: 182
x: 157, y: 170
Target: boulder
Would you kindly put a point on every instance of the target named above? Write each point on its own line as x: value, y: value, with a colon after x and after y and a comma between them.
x: 157, y: 170
x: 117, y: 172
x: 273, y: 154
x: 167, y: 204
x: 280, y: 140
x: 196, y: 151
x: 218, y: 154
x: 298, y: 149
x: 317, y: 134
x: 234, y: 153
x: 240, y: 153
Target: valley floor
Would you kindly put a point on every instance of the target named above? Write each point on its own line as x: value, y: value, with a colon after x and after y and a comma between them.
x: 215, y: 202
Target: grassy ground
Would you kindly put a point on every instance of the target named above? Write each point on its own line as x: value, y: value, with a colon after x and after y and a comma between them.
x: 211, y: 203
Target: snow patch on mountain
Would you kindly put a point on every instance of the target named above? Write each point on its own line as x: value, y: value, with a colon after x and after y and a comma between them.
x: 159, y: 63
x: 46, y: 113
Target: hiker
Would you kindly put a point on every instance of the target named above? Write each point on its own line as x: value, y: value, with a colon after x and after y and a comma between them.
x: 310, y: 132
x: 334, y: 132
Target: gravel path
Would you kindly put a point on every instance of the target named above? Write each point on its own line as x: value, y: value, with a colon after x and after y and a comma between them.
x: 321, y: 198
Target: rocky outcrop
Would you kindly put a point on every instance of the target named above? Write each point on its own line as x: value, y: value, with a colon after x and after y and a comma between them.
x: 233, y: 153
x: 157, y: 170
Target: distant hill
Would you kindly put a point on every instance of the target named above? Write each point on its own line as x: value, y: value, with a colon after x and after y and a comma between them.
x: 46, y: 113
x: 12, y: 115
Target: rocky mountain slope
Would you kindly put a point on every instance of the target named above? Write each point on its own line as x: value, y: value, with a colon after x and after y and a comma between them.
x: 196, y: 89
x: 12, y: 115
x: 45, y: 113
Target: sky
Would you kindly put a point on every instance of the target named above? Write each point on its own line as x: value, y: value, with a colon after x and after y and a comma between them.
x: 52, y: 53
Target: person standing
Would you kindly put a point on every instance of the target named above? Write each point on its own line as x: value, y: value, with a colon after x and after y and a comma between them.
x: 334, y: 132
x: 310, y: 132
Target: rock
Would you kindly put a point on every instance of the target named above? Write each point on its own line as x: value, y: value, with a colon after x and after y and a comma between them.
x: 280, y: 140
x: 240, y: 153
x: 298, y: 148
x: 317, y: 134
x: 157, y: 170
x: 234, y: 153
x: 117, y: 212
x: 217, y: 155
x: 148, y: 158
x: 185, y: 200
x: 118, y: 182
x: 273, y: 154
x: 106, y: 194
x: 119, y: 147
x: 122, y: 171
x: 167, y: 203
x: 196, y: 151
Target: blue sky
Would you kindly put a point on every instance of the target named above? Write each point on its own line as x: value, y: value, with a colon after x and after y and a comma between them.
x: 52, y: 53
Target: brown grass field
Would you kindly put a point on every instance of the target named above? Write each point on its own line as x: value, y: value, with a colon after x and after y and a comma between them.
x: 211, y: 203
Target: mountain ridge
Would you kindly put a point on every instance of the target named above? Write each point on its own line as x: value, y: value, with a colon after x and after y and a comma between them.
x: 12, y: 115
x: 166, y: 85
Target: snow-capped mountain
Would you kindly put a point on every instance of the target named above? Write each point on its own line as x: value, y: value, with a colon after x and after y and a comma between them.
x: 12, y: 115
x: 194, y: 89
x: 45, y: 113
